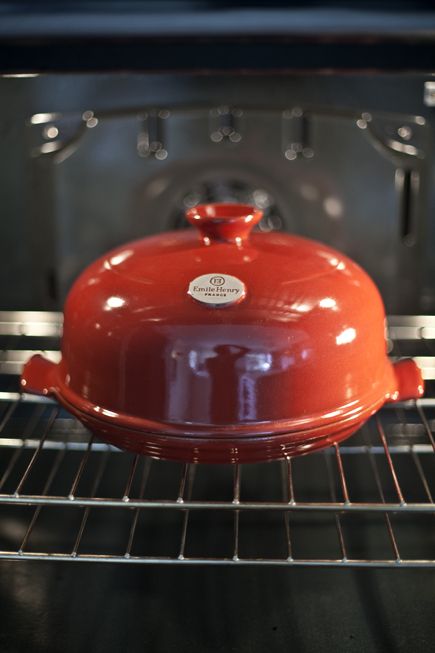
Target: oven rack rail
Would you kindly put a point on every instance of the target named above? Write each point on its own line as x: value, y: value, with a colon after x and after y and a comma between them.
x: 331, y: 509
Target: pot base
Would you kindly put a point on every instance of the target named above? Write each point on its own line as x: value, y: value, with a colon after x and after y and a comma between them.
x: 217, y: 446
x: 215, y: 450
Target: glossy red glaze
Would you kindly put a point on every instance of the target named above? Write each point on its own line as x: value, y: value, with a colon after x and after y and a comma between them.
x: 296, y: 362
x: 224, y: 222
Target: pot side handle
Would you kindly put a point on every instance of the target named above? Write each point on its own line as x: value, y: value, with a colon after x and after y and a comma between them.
x: 38, y: 376
x: 410, y: 384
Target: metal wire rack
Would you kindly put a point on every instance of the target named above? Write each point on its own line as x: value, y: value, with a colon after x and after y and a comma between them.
x: 65, y: 496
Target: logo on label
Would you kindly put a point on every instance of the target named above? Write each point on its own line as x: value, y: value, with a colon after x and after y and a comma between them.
x: 217, y: 281
x: 217, y: 289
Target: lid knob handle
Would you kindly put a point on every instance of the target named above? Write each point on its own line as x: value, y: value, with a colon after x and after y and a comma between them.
x: 224, y: 222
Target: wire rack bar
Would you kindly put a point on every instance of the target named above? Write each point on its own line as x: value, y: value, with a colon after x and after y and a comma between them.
x: 9, y: 412
x: 80, y: 470
x: 381, y: 494
x: 288, y: 497
x: 59, y: 457
x: 389, y: 460
x: 334, y: 499
x: 241, y: 562
x: 186, y: 486
x: 341, y: 474
x: 422, y: 476
x: 136, y: 512
x: 98, y: 476
x: 236, y: 502
x: 127, y: 490
x: 345, y: 449
x: 420, y: 408
x: 300, y: 506
x: 37, y: 451
x: 28, y: 430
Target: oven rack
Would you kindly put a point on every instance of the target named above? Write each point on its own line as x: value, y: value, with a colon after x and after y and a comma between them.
x: 65, y: 496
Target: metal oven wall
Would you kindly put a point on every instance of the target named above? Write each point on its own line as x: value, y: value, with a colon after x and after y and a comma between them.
x: 344, y: 159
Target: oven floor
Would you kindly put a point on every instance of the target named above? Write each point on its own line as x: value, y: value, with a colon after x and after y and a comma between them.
x: 68, y: 608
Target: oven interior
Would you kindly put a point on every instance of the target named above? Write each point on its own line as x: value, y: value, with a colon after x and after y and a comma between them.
x: 90, y: 161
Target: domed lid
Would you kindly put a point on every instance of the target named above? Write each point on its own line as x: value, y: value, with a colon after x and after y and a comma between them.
x: 219, y: 329
x: 223, y: 238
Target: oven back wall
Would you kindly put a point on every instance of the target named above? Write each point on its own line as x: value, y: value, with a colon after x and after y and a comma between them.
x: 88, y: 162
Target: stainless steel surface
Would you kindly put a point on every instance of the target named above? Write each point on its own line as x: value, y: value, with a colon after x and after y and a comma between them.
x: 429, y: 94
x: 274, y: 156
x: 93, y: 161
x: 187, y: 20
x: 63, y: 496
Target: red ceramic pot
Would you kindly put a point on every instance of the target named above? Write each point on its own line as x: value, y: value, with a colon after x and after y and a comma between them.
x: 221, y: 345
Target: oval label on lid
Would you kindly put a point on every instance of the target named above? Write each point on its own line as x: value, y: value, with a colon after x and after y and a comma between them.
x: 217, y: 289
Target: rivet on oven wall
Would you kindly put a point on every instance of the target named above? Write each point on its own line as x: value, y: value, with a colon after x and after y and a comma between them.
x: 90, y: 119
x: 50, y: 131
x: 405, y: 132
x: 225, y: 124
x: 364, y: 120
x: 296, y: 134
x: 151, y: 137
